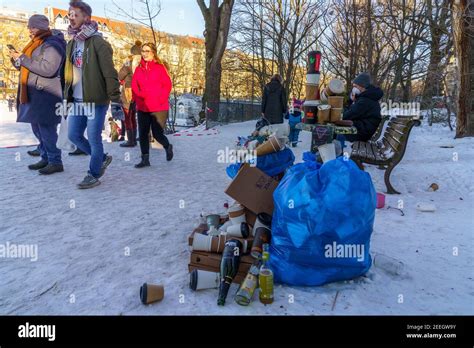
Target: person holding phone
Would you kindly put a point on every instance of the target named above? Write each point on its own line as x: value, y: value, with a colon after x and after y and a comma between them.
x: 40, y: 89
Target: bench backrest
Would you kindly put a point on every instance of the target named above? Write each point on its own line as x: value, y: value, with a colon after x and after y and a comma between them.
x: 395, y: 137
x: 378, y: 131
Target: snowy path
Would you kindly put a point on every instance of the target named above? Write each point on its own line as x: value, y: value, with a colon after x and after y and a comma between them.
x: 96, y: 247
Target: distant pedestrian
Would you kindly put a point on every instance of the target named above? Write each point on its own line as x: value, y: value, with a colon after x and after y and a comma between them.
x: 151, y: 87
x: 274, y: 101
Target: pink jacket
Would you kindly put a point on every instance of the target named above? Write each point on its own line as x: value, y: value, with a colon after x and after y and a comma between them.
x: 151, y: 87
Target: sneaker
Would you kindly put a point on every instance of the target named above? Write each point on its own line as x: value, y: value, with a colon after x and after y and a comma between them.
x: 39, y: 165
x: 77, y: 152
x: 105, y: 164
x: 88, y: 182
x: 51, y: 169
x: 34, y: 153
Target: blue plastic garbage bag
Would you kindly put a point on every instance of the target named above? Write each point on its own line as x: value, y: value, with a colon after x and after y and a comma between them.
x: 322, y: 223
x: 271, y: 164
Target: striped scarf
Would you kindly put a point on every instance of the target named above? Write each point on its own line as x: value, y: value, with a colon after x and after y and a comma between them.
x: 84, y: 32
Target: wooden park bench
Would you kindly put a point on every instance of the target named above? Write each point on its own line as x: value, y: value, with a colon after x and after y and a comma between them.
x: 387, y: 152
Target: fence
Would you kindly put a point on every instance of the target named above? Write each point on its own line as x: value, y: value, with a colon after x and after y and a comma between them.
x: 232, y: 112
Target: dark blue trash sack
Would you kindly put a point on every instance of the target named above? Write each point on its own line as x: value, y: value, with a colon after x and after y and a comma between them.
x: 321, y: 210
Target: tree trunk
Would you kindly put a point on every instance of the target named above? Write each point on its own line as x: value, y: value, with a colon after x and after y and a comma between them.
x: 217, y: 22
x: 463, y: 13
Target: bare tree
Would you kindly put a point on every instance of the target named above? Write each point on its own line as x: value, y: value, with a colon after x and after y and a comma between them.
x: 217, y: 18
x: 463, y: 19
x: 144, y: 12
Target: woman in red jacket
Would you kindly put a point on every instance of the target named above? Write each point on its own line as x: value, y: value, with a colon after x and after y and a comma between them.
x: 151, y: 87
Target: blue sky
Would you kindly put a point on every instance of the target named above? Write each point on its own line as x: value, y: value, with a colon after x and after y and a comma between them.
x: 181, y: 17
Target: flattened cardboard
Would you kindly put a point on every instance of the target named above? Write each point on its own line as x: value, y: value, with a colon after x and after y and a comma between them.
x: 253, y: 189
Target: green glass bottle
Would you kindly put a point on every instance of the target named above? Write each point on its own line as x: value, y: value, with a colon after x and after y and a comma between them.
x: 265, y: 278
x: 247, y: 288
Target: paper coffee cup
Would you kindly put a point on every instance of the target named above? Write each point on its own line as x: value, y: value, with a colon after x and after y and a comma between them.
x: 263, y: 220
x: 336, y: 102
x: 150, y: 293
x: 327, y: 152
x: 335, y: 87
x: 324, y: 113
x: 241, y: 230
x: 201, y: 242
x: 336, y: 114
x: 199, y: 280
x: 270, y: 146
x: 324, y: 95
x: 312, y: 79
x: 213, y: 220
x: 311, y: 92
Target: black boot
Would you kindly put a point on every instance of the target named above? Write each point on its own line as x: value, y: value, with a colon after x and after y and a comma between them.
x: 169, y: 153
x: 131, y: 142
x: 39, y: 165
x: 145, y: 162
x: 51, y: 169
x: 34, y: 153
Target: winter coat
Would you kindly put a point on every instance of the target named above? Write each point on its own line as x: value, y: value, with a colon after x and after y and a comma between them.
x: 44, y: 86
x: 365, y: 112
x: 294, y: 118
x: 125, y: 74
x: 151, y: 87
x: 100, y: 83
x: 274, y: 102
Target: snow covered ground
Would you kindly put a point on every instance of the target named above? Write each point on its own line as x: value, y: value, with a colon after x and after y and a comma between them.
x: 97, y: 247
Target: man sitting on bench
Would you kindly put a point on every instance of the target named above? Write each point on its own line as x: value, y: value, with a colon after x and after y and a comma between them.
x: 364, y: 109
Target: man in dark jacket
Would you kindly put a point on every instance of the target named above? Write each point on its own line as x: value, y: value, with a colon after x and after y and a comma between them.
x: 274, y: 101
x: 364, y: 112
x: 40, y: 90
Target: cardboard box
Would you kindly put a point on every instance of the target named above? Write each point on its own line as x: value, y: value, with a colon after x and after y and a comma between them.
x: 253, y: 189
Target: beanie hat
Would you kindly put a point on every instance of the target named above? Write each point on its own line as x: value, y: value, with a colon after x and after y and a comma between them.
x: 136, y: 49
x: 38, y: 21
x: 363, y: 79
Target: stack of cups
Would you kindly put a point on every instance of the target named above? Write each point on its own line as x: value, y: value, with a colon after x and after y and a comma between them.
x: 312, y: 87
x: 336, y: 103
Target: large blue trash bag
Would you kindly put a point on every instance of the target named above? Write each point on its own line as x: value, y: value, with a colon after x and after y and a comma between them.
x: 271, y: 164
x: 319, y: 211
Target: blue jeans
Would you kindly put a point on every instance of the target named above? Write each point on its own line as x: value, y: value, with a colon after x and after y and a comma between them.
x: 48, y: 137
x: 293, y: 136
x: 77, y: 123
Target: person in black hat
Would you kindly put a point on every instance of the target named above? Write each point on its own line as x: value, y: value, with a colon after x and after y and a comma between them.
x: 364, y: 111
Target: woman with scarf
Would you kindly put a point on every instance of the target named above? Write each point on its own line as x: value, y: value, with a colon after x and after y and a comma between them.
x: 40, y: 89
x: 151, y: 87
x: 91, y: 84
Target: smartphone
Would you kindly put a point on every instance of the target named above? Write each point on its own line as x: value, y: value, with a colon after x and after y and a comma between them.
x: 10, y: 47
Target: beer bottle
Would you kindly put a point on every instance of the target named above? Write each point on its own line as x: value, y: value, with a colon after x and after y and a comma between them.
x: 248, y: 286
x: 265, y: 278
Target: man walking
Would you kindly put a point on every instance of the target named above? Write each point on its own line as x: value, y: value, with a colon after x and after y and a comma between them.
x: 91, y: 83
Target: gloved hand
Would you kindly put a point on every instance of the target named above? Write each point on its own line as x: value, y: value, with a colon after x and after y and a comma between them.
x: 117, y: 111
